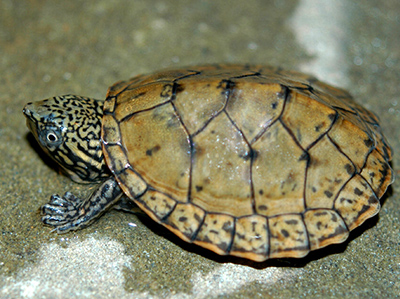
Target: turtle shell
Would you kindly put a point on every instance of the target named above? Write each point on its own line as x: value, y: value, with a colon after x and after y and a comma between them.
x: 250, y: 161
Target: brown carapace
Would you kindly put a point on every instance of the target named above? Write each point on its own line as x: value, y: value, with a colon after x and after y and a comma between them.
x: 250, y: 161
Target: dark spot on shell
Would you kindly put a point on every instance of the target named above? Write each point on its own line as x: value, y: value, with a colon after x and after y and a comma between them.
x: 261, y: 191
x: 292, y: 222
x: 167, y: 91
x: 319, y: 224
x: 199, y: 188
x: 373, y: 200
x: 285, y: 233
x: 358, y: 192
x: 249, y: 155
x: 313, y: 189
x: 197, y: 217
x: 240, y: 236
x: 262, y: 208
x: 318, y: 127
x: 304, y: 157
x: 274, y: 105
x: 227, y: 226
x: 349, y: 169
x: 369, y: 143
x: 334, y: 218
x: 179, y: 88
x: 322, y: 213
x: 332, y: 116
x: 328, y: 193
x: 182, y: 219
x: 153, y: 150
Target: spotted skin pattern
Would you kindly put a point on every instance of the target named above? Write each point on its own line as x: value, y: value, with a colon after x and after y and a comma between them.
x: 250, y: 161
x: 68, y: 129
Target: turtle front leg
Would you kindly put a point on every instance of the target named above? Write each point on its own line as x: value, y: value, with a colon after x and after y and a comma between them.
x: 70, y: 213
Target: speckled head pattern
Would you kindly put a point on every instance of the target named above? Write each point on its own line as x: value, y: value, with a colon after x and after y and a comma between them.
x: 68, y: 129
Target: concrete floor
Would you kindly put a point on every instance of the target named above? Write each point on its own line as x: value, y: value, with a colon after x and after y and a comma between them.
x: 57, y: 47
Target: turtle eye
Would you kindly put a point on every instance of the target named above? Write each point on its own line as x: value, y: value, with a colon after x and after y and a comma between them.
x: 52, y: 137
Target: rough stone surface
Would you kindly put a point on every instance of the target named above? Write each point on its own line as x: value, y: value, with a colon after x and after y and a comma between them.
x: 50, y: 48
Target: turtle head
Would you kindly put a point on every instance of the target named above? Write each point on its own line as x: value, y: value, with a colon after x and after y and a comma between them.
x: 68, y: 129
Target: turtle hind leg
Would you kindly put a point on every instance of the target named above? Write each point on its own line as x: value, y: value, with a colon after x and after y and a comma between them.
x: 71, y: 213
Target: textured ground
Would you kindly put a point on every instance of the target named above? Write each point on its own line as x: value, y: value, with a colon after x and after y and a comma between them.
x: 52, y: 47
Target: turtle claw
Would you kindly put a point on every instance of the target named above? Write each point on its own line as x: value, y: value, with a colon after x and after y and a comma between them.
x: 61, y: 212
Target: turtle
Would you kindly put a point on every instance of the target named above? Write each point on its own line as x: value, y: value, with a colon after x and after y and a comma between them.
x: 245, y: 160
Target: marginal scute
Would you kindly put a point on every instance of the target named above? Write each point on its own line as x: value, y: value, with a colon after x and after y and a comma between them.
x: 216, y: 232
x: 185, y: 220
x: 357, y: 202
x: 325, y: 227
x: 109, y: 105
x: 247, y: 160
x: 251, y: 238
x: 119, y: 161
x: 288, y: 236
x: 110, y: 130
x: 131, y: 183
x: 378, y: 173
x: 158, y: 203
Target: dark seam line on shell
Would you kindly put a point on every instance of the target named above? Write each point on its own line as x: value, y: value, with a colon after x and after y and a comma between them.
x: 194, y: 236
x: 253, y: 200
x: 306, y: 231
x: 173, y: 97
x: 195, y: 73
x: 345, y: 110
x: 123, y: 90
x: 129, y: 116
x: 371, y: 149
x: 226, y: 91
x: 165, y: 218
x: 254, y: 74
x: 268, y: 232
x: 340, y: 150
x: 381, y: 180
x: 285, y: 96
x: 344, y: 222
x: 305, y: 152
x: 323, y: 134
x: 375, y: 124
x: 151, y: 188
x: 340, y: 190
x: 229, y: 247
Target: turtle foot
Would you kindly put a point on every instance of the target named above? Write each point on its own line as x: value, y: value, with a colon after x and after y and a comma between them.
x: 62, y: 212
x: 68, y: 212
